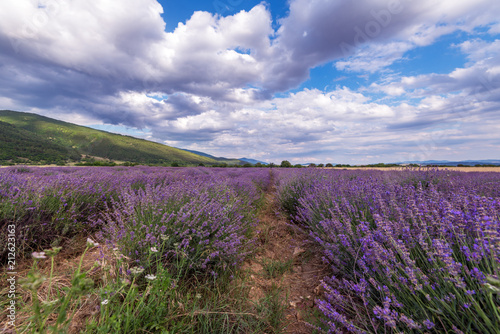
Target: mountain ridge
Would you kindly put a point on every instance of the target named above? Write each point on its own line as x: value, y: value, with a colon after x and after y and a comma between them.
x: 454, y: 163
x: 72, y: 142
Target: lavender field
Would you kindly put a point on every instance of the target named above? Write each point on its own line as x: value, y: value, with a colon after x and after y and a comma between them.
x: 131, y: 208
x: 410, y: 251
x: 156, y: 227
x: 414, y: 251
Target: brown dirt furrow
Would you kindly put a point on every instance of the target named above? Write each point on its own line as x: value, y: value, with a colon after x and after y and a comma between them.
x: 284, y: 244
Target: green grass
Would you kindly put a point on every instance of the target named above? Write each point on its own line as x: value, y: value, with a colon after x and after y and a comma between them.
x: 78, y: 140
x: 165, y: 304
x: 272, y: 309
x: 276, y: 268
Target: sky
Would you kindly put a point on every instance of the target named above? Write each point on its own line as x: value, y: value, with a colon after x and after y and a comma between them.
x: 309, y: 81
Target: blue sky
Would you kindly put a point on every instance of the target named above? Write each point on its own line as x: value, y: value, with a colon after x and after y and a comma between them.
x: 305, y: 80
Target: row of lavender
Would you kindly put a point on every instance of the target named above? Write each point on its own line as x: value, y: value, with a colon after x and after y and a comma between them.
x: 198, y: 217
x: 414, y: 251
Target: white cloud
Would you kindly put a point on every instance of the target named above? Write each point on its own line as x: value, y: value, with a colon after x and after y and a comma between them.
x: 478, y: 50
x: 209, y: 84
x: 494, y: 29
x: 478, y: 81
x: 124, y: 44
x: 372, y: 57
x: 372, y: 34
x: 284, y: 125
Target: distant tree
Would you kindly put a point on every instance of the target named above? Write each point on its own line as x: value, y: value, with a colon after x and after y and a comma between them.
x: 321, y: 165
x: 97, y: 163
x: 174, y: 164
x: 298, y: 166
x: 201, y: 164
x: 258, y: 164
x: 271, y: 165
x: 247, y: 165
x: 286, y: 164
x: 329, y: 165
x: 312, y: 165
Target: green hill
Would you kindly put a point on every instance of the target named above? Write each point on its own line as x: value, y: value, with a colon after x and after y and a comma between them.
x: 20, y: 145
x: 38, y: 138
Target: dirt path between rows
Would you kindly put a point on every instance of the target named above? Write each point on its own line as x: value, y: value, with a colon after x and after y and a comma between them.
x: 286, y: 247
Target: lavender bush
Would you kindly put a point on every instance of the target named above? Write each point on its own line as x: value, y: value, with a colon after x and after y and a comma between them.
x: 409, y: 251
x: 193, y: 224
x: 172, y: 231
x: 197, y: 217
x: 48, y: 205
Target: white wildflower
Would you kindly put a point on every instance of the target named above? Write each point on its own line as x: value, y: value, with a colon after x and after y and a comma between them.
x: 492, y: 288
x: 154, y: 249
x: 50, y: 303
x: 91, y: 243
x: 136, y: 270
x: 198, y: 296
x: 164, y: 237
x: 39, y: 255
x: 150, y: 277
x: 105, y: 302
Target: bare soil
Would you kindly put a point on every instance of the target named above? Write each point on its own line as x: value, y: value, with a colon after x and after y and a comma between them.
x: 300, y: 285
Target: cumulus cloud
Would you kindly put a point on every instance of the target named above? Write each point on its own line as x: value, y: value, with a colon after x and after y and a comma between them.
x: 211, y: 83
x: 123, y: 46
x: 478, y: 81
x: 372, y: 34
x: 118, y: 46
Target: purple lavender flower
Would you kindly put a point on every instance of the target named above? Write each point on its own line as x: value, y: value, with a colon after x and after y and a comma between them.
x: 428, y: 324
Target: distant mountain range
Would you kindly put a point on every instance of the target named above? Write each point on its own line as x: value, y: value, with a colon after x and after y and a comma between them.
x: 219, y: 159
x: 253, y: 161
x: 26, y: 137
x: 227, y: 160
x: 454, y: 163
